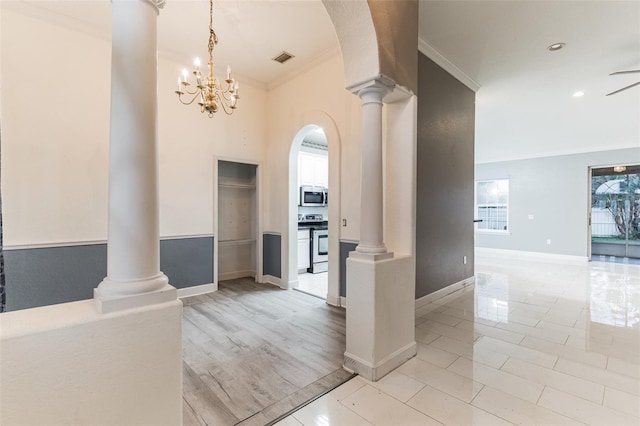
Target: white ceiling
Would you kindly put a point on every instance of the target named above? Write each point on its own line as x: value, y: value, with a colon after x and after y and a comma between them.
x: 524, y: 106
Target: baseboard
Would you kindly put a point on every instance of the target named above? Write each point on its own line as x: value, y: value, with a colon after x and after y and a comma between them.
x: 439, y: 294
x: 236, y: 274
x: 531, y: 255
x: 196, y: 290
x: 375, y: 372
x: 343, y: 301
x: 333, y: 301
x: 270, y: 279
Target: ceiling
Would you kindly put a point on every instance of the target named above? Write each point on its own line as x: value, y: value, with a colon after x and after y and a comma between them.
x: 524, y: 106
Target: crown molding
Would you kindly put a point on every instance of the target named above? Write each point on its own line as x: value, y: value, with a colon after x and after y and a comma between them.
x: 315, y: 61
x: 447, y: 65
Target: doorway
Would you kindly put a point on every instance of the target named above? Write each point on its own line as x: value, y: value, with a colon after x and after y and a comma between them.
x: 313, y: 214
x: 236, y: 222
x: 615, y: 213
x: 309, y: 122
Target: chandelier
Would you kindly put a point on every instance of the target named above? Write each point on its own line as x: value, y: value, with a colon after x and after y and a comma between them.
x: 209, y: 92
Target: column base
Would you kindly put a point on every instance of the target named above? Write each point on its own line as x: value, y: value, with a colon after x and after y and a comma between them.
x: 380, y: 314
x: 372, y: 257
x: 106, y: 304
x: 375, y: 372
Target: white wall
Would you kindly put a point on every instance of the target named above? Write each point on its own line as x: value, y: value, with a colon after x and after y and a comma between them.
x: 555, y: 192
x: 321, y: 88
x: 55, y: 138
x: 55, y: 117
x: 68, y: 365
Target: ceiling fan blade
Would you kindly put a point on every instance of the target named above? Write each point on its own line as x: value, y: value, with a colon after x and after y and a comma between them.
x: 625, y: 72
x: 624, y: 88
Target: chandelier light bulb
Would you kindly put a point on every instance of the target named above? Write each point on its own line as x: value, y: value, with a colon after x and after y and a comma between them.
x: 196, y: 62
x: 185, y: 73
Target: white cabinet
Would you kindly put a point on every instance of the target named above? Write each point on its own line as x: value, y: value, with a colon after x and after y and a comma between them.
x: 303, y: 250
x: 313, y: 170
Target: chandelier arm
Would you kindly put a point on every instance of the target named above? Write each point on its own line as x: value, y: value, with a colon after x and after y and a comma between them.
x: 191, y: 101
x: 224, y: 108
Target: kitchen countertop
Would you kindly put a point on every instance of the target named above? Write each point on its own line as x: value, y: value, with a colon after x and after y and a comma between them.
x: 316, y: 225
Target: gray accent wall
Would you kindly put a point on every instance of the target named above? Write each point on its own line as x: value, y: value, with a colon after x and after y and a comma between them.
x: 187, y: 261
x: 272, y: 255
x: 345, y: 248
x: 46, y: 276
x: 445, y: 166
x: 555, y: 190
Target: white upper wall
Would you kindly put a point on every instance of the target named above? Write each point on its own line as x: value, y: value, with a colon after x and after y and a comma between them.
x: 55, y: 138
x: 319, y: 89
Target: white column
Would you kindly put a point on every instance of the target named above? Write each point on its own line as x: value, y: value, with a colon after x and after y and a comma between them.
x: 371, y: 185
x: 133, y: 248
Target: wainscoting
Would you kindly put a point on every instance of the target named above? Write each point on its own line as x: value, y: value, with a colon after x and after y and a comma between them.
x: 41, y: 276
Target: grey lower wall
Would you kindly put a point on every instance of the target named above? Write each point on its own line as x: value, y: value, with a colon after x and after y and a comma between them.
x: 345, y: 248
x: 445, y: 159
x: 187, y: 261
x: 272, y: 255
x: 555, y: 191
x: 46, y: 276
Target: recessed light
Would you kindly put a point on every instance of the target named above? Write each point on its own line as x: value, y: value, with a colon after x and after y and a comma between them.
x: 555, y: 47
x: 578, y: 94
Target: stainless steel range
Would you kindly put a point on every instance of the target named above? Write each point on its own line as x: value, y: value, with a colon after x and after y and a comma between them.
x: 319, y: 242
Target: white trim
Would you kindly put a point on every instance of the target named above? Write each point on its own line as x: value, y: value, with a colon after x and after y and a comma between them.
x: 437, y: 57
x: 236, y: 274
x: 180, y: 237
x: 52, y: 245
x: 356, y: 242
x: 333, y: 301
x: 492, y: 231
x: 270, y: 279
x: 196, y: 290
x: 343, y: 301
x: 439, y: 294
x: 89, y: 242
x: 530, y: 255
x: 375, y: 372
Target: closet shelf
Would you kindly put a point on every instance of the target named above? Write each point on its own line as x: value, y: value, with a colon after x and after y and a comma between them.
x: 237, y: 185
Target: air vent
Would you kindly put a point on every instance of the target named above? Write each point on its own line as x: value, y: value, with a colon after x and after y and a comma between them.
x: 283, y: 57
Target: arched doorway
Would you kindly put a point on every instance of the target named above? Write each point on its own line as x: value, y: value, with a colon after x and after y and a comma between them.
x: 319, y: 120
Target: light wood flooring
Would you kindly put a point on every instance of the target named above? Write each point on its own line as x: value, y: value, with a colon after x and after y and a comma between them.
x: 253, y: 352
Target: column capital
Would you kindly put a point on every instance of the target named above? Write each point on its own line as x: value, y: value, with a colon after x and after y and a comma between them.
x: 381, y: 83
x: 156, y: 4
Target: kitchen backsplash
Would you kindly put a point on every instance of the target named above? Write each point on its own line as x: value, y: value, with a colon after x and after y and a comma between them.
x: 324, y: 211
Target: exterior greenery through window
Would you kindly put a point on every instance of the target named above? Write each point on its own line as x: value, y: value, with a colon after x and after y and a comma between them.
x: 492, y: 205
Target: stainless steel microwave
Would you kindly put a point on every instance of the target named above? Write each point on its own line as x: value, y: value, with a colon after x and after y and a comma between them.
x: 311, y: 196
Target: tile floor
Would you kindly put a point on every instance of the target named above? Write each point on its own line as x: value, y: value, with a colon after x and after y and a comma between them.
x: 530, y: 343
x: 314, y: 284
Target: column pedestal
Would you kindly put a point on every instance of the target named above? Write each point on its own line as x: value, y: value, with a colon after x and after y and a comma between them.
x: 380, y: 326
x: 380, y: 287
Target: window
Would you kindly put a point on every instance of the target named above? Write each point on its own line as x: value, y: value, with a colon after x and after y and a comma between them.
x: 492, y: 205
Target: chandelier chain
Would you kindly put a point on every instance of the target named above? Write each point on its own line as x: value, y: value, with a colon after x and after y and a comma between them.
x: 213, y: 38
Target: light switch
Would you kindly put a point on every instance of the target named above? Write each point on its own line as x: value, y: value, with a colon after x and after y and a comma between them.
x: 530, y: 217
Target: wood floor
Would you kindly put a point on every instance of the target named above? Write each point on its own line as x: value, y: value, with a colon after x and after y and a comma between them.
x: 252, y: 352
